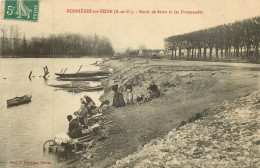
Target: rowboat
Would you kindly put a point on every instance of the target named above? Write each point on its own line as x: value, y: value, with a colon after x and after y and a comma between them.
x: 97, y: 78
x: 19, y: 100
x: 83, y: 74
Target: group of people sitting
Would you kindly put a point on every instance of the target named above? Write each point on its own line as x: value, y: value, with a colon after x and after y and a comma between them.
x: 87, y: 107
x: 86, y: 110
x: 118, y: 99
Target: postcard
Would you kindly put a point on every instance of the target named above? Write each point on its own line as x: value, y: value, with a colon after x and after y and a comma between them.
x: 129, y: 83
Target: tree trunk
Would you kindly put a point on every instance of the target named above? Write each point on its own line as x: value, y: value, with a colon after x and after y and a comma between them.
x: 199, y: 52
x: 221, y: 52
x: 180, y: 53
x: 188, y: 53
x: 257, y: 52
x: 226, y: 52
x: 195, y: 53
x: 172, y: 54
x: 237, y: 55
x: 205, y: 53
x: 192, y: 53
x: 175, y: 53
x: 234, y: 54
x: 247, y: 52
x: 229, y: 51
x: 241, y: 52
x: 210, y: 53
x: 217, y: 53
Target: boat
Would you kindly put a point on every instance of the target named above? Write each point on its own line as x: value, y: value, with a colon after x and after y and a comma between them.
x: 19, y: 100
x: 97, y: 78
x: 85, y: 89
x: 78, y: 88
x: 83, y: 74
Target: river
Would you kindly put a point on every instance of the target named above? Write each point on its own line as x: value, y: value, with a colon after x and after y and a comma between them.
x: 25, y: 128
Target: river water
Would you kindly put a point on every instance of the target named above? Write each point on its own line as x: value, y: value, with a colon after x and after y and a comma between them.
x: 25, y: 128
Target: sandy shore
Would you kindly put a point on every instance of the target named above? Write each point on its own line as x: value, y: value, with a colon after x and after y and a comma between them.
x: 187, y: 88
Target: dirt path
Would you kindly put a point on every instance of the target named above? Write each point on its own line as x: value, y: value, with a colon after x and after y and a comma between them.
x: 135, y: 125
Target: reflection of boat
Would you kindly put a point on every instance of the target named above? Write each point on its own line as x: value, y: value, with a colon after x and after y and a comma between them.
x: 19, y: 100
x: 96, y: 78
x: 83, y: 74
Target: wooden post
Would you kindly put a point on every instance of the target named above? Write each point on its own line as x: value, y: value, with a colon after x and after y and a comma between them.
x: 46, y: 72
x: 79, y: 68
x: 30, y: 74
x: 46, y: 68
x: 65, y: 71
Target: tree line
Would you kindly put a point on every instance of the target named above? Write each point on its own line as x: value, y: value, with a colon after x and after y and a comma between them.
x: 14, y: 43
x: 239, y: 40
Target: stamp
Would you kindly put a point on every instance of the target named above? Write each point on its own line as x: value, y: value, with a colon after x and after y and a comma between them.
x: 26, y: 10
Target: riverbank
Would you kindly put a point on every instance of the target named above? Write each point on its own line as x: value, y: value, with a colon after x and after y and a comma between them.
x: 187, y: 88
x: 224, y: 136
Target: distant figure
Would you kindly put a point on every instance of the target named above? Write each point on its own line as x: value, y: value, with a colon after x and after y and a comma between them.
x: 118, y: 99
x: 90, y: 105
x: 74, y: 130
x: 154, y: 92
x: 129, y: 93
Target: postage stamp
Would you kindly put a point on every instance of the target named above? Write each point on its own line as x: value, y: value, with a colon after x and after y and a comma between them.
x: 26, y: 10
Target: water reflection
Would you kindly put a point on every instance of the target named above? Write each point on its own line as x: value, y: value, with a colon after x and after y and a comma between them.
x: 25, y: 128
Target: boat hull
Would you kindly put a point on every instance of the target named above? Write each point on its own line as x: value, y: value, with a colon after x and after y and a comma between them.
x: 18, y: 101
x: 83, y: 79
x: 83, y: 74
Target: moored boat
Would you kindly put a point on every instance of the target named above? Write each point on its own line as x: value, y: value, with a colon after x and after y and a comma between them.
x: 96, y: 78
x: 19, y: 100
x: 83, y: 74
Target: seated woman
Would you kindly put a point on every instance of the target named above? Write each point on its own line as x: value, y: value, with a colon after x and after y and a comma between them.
x: 154, y: 91
x: 82, y: 101
x: 74, y: 130
x: 90, y: 104
x: 82, y: 114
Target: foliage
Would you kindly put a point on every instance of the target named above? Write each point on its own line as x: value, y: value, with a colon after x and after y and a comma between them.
x: 242, y: 36
x: 55, y: 45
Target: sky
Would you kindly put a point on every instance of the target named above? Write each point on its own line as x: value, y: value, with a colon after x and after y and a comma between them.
x: 133, y: 30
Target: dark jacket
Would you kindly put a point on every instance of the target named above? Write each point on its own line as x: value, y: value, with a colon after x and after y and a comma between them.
x: 153, y: 88
x: 74, y: 130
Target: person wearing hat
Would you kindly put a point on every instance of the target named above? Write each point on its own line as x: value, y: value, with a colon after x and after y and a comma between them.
x: 118, y: 99
x: 90, y: 105
x: 74, y: 130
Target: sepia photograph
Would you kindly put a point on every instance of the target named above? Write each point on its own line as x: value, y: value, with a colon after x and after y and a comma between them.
x: 130, y: 84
